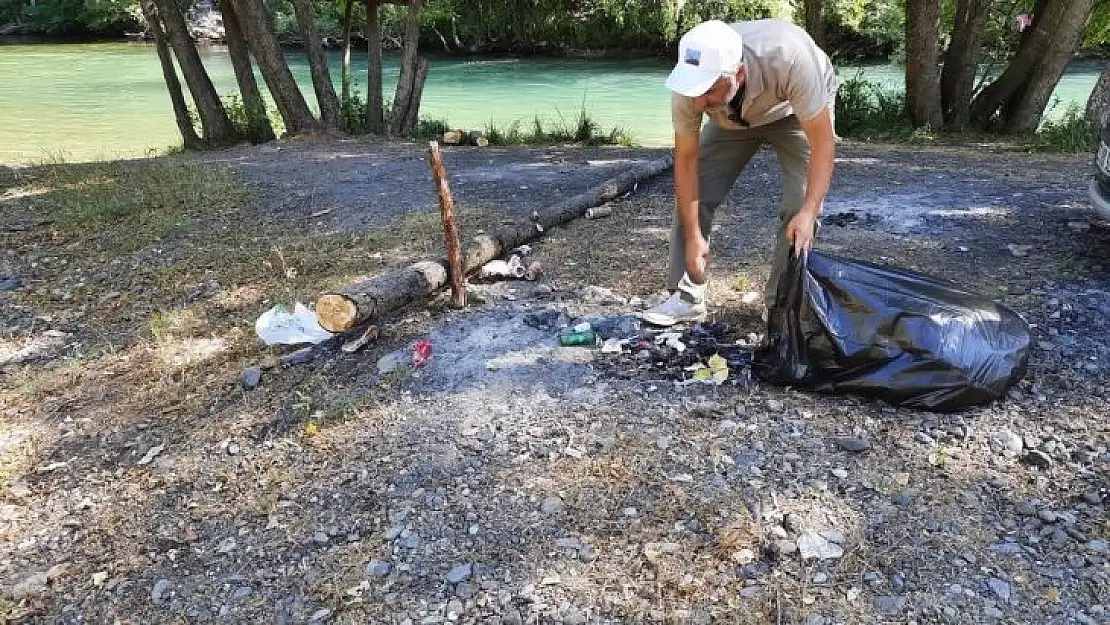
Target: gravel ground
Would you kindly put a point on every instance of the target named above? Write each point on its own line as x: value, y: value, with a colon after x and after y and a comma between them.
x: 515, y: 481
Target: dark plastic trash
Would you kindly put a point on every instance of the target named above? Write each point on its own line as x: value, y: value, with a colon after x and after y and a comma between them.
x: 845, y: 326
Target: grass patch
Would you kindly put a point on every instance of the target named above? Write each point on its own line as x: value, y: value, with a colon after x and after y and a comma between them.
x: 582, y: 130
x: 1071, y: 134
x: 866, y: 110
x: 130, y: 208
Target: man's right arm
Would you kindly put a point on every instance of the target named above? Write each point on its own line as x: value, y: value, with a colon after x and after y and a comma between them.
x: 686, y: 198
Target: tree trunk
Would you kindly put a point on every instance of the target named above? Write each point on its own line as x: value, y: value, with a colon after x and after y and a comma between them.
x: 375, y: 116
x: 922, y: 79
x: 345, y: 76
x: 257, y: 25
x: 317, y: 64
x: 357, y: 303
x: 412, y: 116
x: 1021, y: 93
x: 406, y: 81
x: 258, y: 123
x: 961, y: 62
x: 213, y: 118
x: 815, y: 21
x: 1098, y: 105
x: 189, y: 136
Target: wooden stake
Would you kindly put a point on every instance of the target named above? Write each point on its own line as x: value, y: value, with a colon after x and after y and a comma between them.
x: 450, y: 232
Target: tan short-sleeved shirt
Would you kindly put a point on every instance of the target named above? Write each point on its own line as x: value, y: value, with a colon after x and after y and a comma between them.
x: 787, y: 75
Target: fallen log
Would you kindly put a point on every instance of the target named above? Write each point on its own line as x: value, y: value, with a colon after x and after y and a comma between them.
x: 359, y: 302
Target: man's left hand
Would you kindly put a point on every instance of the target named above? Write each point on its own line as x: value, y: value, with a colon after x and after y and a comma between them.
x: 801, y: 230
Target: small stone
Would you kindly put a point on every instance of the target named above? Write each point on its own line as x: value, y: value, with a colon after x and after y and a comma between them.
x: 820, y: 578
x: 1099, y: 546
x: 552, y: 505
x: 587, y: 553
x: 33, y: 585
x: 784, y: 548
x: 162, y: 591
x: 1008, y: 441
x: 727, y: 427
x: 840, y: 473
x: 465, y: 590
x: 99, y: 578
x: 1047, y: 516
x: 1037, y: 458
x: 751, y: 592
x: 241, y: 593
x: 902, y: 499
x: 1000, y: 588
x: 812, y: 545
x: 460, y: 573
x: 599, y: 295
x: 377, y: 568
x: 9, y: 284
x: 774, y: 405
x: 320, y: 538
x: 871, y: 577
x: 251, y: 377
x: 319, y: 615
x: 1025, y: 509
x: 1092, y: 498
x: 511, y: 617
x: 924, y: 439
x: 751, y: 298
x: 226, y: 546
x: 232, y: 448
x: 392, y: 362
x: 992, y: 613
x: 890, y: 605
x: 854, y: 445
x: 574, y: 617
x: 302, y: 356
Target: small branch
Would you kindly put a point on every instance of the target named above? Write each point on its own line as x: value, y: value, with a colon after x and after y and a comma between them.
x: 450, y: 231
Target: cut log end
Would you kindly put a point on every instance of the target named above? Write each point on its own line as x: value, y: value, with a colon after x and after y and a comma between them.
x: 336, y: 312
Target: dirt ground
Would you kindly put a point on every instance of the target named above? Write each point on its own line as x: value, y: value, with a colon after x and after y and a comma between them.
x: 512, y: 480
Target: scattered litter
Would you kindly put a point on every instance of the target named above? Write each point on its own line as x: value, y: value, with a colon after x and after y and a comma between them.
x: 279, y: 326
x: 422, y: 353
x: 251, y: 378
x: 370, y: 335
x: 533, y: 271
x: 624, y: 326
x: 813, y: 545
x: 580, y: 335
x: 151, y: 454
x: 715, y: 373
x: 1019, y: 251
x: 319, y: 213
x: 672, y: 340
x: 512, y: 268
x: 613, y: 346
x: 523, y: 251
x: 53, y: 466
x: 536, y: 221
x: 597, y: 212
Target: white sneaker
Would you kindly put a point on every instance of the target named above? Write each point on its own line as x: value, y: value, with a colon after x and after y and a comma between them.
x: 685, y: 304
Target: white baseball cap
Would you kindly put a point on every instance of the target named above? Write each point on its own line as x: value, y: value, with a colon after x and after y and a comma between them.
x: 705, y: 53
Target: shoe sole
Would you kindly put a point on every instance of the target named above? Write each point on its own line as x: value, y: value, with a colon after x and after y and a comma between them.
x: 665, y: 321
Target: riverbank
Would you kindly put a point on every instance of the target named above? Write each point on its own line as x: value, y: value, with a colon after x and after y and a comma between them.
x: 513, y: 480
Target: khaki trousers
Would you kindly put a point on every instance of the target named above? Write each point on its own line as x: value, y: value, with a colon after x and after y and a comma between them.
x: 722, y: 155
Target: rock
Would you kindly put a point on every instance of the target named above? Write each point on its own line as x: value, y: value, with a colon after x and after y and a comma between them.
x: 511, y: 617
x: 377, y: 568
x: 162, y: 590
x: 320, y: 538
x: 1099, y: 546
x: 599, y: 295
x: 574, y: 617
x: 251, y: 377
x: 552, y: 505
x: 852, y: 444
x: 232, y: 448
x: 813, y: 545
x: 775, y: 405
x: 1007, y: 441
x: 302, y: 356
x: 924, y: 439
x: 454, y: 609
x: 20, y: 490
x: 1025, y: 509
x: 621, y: 327
x: 1019, y: 251
x: 727, y: 427
x: 1037, y: 458
x: 890, y: 605
x: 460, y: 573
x: 393, y: 361
x: 783, y: 548
x: 226, y: 546
x: 319, y: 616
x: 840, y: 474
x: 903, y: 499
x: 751, y: 592
x: 1092, y: 498
x: 150, y: 455
x: 587, y: 553
x: 992, y: 613
x: 241, y: 593
x: 31, y: 586
x: 1047, y: 516
x: 9, y: 284
x: 1000, y: 588
x: 820, y: 578
x: 99, y: 578
x: 751, y: 298
x: 465, y: 590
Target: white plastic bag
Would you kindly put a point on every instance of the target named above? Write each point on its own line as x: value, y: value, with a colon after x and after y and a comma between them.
x: 278, y: 325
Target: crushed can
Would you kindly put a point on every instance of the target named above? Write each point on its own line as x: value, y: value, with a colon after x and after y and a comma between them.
x: 573, y: 337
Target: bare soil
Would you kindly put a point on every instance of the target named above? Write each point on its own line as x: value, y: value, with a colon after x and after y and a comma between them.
x: 512, y: 480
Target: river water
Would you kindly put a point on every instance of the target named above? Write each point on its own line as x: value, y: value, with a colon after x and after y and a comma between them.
x: 107, y: 100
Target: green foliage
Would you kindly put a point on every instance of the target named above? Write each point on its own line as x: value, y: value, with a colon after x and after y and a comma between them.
x: 1071, y: 133
x: 74, y: 17
x: 583, y: 130
x: 866, y: 110
x: 246, y: 120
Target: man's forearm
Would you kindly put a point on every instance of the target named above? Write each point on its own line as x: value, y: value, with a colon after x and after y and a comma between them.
x: 686, y: 195
x: 818, y: 176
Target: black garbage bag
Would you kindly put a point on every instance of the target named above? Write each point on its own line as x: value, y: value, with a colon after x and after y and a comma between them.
x: 845, y: 326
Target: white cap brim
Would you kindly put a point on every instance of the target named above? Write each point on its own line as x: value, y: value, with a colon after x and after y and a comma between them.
x: 689, y: 81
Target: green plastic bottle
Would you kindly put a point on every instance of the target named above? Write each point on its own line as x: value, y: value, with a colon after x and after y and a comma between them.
x: 572, y: 338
